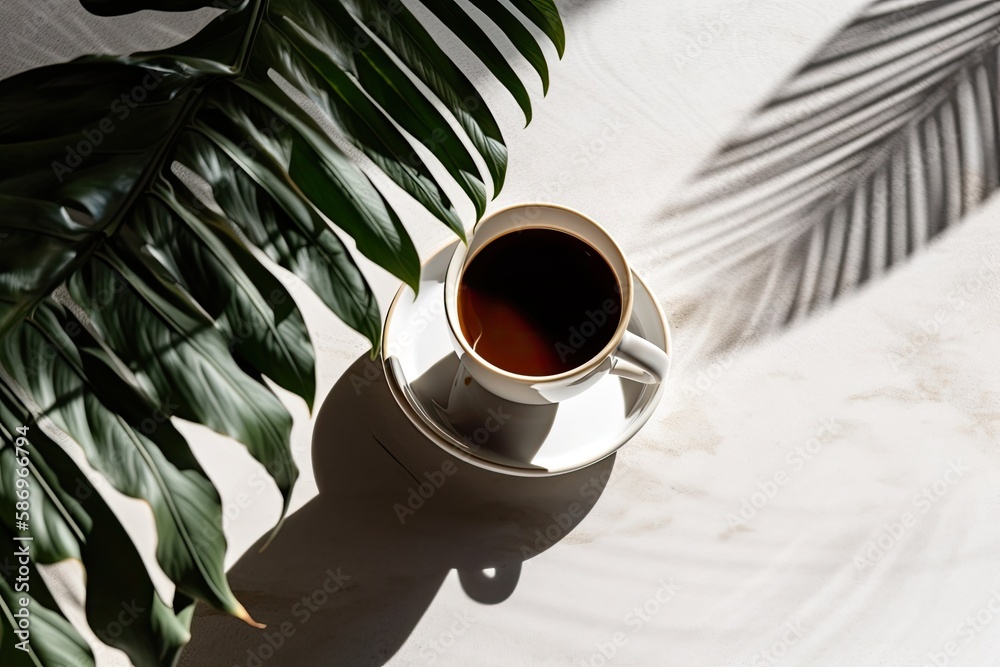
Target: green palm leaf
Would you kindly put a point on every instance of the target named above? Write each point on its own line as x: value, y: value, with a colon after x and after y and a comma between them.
x: 83, y: 393
x: 78, y: 524
x: 53, y: 642
x: 166, y: 305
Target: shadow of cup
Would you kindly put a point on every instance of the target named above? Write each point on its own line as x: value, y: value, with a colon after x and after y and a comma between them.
x: 352, y: 572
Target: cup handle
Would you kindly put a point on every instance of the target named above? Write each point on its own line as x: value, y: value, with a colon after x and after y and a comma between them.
x: 639, y: 360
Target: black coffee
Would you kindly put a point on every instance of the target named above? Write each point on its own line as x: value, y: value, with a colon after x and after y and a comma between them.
x: 538, y: 302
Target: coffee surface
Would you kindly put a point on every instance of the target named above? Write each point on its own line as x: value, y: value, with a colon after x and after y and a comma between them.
x: 538, y: 302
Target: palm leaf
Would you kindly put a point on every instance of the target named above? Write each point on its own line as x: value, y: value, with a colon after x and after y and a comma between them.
x: 78, y: 524
x: 884, y: 140
x: 129, y: 296
x: 53, y: 642
x: 83, y: 393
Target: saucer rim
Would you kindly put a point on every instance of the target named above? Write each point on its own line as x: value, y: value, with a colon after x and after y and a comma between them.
x: 419, y: 422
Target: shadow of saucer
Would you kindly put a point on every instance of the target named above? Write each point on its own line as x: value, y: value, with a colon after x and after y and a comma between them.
x: 352, y: 572
x: 498, y: 430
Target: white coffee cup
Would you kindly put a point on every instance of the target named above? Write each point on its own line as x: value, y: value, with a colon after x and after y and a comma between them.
x: 626, y: 354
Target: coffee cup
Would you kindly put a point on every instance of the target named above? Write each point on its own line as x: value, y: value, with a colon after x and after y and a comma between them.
x: 538, y: 304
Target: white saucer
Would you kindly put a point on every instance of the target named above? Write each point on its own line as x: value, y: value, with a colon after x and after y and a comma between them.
x: 449, y: 407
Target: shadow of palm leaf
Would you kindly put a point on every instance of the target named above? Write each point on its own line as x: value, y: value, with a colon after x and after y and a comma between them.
x: 887, y: 137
